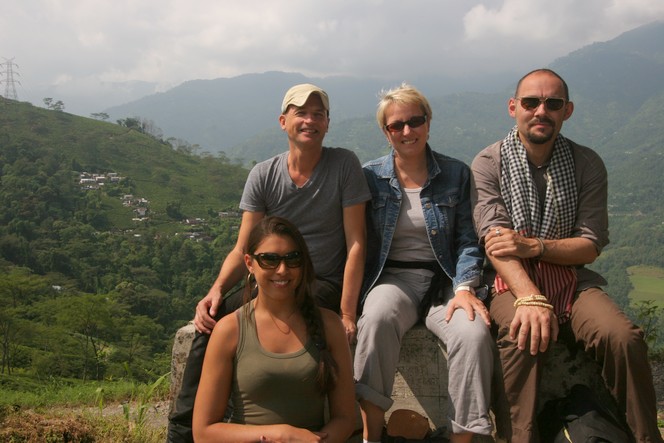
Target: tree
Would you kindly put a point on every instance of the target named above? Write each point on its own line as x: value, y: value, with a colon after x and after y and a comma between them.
x: 100, y: 116
x: 90, y: 319
x: 174, y: 210
x: 54, y: 106
x: 131, y: 123
x: 648, y: 316
x: 18, y: 287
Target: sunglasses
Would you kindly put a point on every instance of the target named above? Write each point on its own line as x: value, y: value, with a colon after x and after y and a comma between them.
x: 270, y: 260
x: 550, y: 103
x: 414, y: 122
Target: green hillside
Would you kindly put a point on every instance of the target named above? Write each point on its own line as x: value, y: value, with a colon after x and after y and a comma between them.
x: 96, y: 278
x: 153, y: 168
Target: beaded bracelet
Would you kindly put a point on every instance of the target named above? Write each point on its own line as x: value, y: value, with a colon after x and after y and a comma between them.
x: 533, y: 300
x: 541, y: 304
x: 531, y: 297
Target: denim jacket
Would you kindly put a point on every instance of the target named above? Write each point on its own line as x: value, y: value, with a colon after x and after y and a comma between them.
x: 445, y: 201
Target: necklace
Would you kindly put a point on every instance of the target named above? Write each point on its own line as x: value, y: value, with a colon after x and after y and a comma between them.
x: 288, y: 328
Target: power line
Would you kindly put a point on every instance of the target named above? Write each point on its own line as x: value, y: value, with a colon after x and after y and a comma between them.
x: 10, y: 83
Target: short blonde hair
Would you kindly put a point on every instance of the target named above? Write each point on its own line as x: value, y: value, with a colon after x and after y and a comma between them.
x: 404, y: 94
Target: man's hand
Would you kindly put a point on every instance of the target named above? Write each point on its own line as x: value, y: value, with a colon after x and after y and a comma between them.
x: 206, y: 309
x: 351, y: 329
x: 537, y: 323
x: 468, y: 302
x: 504, y: 242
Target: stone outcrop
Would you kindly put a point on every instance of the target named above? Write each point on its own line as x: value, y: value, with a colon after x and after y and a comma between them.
x: 421, y: 379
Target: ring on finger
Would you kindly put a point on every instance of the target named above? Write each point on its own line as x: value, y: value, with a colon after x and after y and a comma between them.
x: 498, y: 231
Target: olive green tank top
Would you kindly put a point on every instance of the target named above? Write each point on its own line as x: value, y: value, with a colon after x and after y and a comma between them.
x: 271, y: 388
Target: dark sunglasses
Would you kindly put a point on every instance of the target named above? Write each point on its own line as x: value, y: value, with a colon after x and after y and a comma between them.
x: 414, y: 122
x: 270, y: 260
x: 550, y: 103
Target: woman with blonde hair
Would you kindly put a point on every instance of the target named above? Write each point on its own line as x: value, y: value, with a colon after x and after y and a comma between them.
x: 423, y: 264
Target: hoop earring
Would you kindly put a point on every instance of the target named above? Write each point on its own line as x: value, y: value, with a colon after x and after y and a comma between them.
x: 250, y: 279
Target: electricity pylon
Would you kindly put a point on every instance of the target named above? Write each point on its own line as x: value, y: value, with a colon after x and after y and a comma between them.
x: 10, y: 82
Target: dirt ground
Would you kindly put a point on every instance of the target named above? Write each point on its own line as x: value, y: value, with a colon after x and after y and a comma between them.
x: 157, y: 414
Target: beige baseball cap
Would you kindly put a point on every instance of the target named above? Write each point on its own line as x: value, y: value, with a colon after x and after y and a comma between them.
x: 298, y: 95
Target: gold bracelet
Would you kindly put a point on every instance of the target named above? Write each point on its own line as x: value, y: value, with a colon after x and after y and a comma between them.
x: 542, y: 248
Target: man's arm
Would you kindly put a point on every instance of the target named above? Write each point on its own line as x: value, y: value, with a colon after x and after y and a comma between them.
x: 566, y: 251
x: 534, y: 322
x: 232, y: 271
x: 356, y: 239
x: 492, y: 222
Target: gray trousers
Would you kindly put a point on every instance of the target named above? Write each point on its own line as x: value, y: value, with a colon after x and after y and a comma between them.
x: 389, y: 311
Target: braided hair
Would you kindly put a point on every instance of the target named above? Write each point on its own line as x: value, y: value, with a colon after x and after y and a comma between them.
x: 304, y: 300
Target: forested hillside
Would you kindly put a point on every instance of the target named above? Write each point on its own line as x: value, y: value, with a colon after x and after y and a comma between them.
x: 108, y: 237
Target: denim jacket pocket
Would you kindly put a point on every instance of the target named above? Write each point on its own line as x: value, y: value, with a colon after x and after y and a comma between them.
x: 446, y: 207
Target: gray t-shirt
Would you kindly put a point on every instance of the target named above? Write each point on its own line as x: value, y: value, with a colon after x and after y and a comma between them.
x: 315, y: 208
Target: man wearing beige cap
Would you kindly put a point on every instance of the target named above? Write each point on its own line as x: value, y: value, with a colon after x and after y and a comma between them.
x: 323, y: 192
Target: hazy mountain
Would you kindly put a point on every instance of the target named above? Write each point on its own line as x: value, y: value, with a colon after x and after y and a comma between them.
x: 229, y: 114
x: 609, y: 83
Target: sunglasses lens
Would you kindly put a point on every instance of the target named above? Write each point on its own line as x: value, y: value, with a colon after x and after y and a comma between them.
x: 395, y: 127
x: 293, y: 260
x: 268, y: 261
x: 416, y: 122
x: 529, y: 103
x: 554, y: 104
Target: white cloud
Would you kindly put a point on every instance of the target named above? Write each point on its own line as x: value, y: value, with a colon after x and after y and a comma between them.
x: 76, y: 43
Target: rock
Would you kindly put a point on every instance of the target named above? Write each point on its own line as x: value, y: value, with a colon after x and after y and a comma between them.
x: 421, y: 379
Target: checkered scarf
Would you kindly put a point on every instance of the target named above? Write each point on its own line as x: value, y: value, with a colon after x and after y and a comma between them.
x: 523, y: 204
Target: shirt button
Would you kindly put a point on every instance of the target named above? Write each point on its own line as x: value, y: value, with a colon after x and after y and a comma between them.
x: 434, y: 231
x: 428, y: 205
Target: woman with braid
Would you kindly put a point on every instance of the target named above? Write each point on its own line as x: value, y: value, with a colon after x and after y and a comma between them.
x: 279, y: 358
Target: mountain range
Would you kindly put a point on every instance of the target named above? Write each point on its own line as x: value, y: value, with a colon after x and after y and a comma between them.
x: 617, y: 87
x: 609, y: 82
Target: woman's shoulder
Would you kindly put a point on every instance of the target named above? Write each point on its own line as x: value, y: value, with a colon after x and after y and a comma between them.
x: 227, y: 330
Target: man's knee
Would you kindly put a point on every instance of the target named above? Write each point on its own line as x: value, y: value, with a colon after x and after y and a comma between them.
x: 620, y: 336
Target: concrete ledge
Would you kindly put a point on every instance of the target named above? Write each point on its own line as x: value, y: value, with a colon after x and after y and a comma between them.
x: 181, y: 347
x: 421, y: 378
x: 420, y: 383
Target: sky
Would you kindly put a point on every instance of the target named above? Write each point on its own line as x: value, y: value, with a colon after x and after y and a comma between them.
x: 94, y: 54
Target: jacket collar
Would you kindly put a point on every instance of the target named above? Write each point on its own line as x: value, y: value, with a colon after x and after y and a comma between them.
x: 386, y: 169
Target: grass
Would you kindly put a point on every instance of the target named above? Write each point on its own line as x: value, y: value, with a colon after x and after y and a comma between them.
x: 63, y: 410
x: 27, y: 392
x: 648, y: 282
